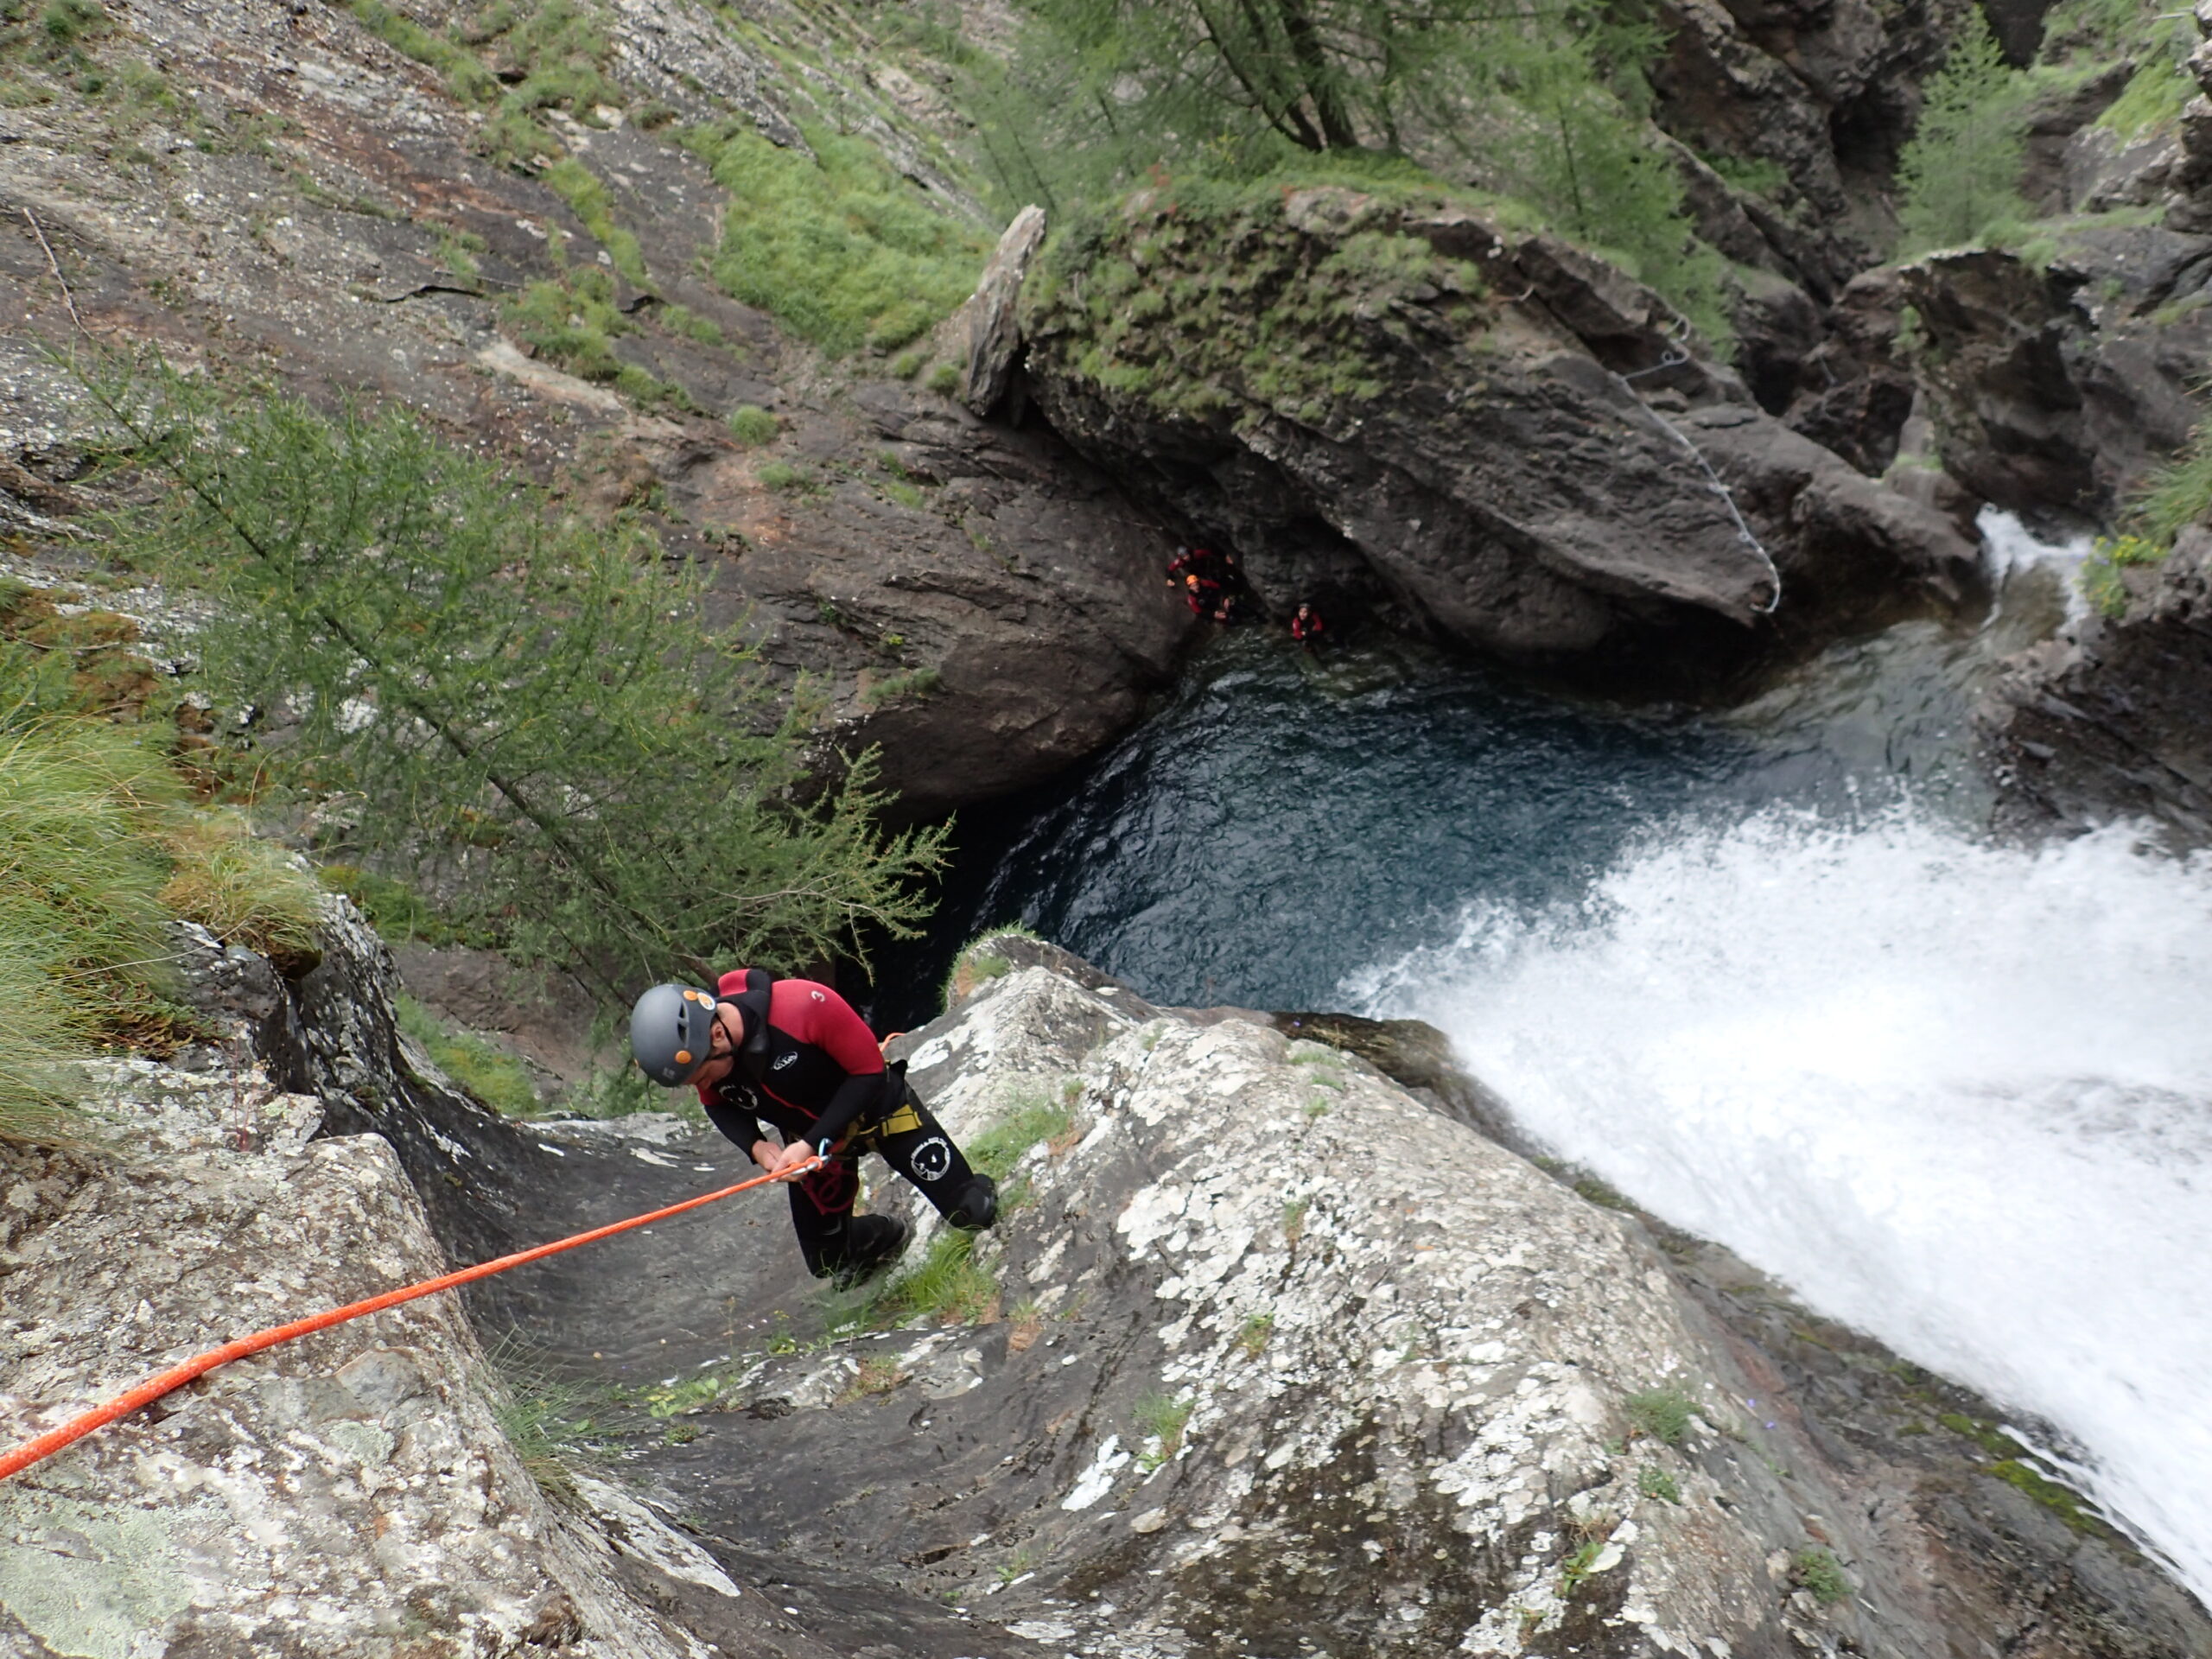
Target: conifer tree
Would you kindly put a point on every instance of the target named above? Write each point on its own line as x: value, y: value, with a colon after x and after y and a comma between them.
x: 1959, y: 177
x: 527, y: 713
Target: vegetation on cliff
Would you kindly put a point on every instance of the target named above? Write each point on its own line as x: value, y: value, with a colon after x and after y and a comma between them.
x: 1544, y: 105
x: 103, y: 841
x: 527, y: 714
x: 1198, y: 292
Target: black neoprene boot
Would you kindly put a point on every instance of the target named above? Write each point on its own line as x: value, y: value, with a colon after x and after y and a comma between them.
x: 979, y: 1206
x: 871, y: 1243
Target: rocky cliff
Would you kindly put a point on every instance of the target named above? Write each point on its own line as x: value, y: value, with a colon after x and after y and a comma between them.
x: 1268, y: 1356
x: 283, y: 191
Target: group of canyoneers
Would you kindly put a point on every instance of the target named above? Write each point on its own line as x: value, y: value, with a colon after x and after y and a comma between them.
x: 1213, y: 587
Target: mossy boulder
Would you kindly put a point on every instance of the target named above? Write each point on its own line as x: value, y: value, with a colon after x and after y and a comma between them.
x: 1407, y: 397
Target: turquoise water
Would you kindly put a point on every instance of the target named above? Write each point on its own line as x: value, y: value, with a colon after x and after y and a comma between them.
x: 1759, y: 969
x: 1285, y: 822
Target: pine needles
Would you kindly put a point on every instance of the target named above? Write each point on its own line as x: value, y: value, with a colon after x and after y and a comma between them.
x: 1959, y: 176
x: 530, y: 713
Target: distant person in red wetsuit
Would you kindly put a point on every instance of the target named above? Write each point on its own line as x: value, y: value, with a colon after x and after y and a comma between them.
x: 1201, y: 595
x: 790, y: 1056
x: 1308, y: 629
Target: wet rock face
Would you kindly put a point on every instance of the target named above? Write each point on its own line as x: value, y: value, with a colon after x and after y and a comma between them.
x: 1286, y: 1361
x: 2112, y: 724
x: 1484, y: 433
x: 346, y: 1494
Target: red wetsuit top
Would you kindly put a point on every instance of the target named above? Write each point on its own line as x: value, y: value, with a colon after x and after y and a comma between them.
x: 810, y: 1067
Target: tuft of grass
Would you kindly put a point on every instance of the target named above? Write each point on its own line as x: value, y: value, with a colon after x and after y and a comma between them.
x: 1293, y: 1218
x: 791, y: 481
x: 542, y: 1416
x: 571, y: 322
x: 879, y: 1374
x: 1163, y: 1418
x: 945, y: 380
x: 494, y: 1076
x: 2100, y: 577
x: 1000, y: 1148
x: 977, y: 964
x: 945, y: 1288
x: 753, y: 426
x: 683, y: 319
x: 1253, y: 1335
x: 243, y: 889
x: 838, y: 246
x: 585, y: 194
x: 1593, y: 1191
x: 1818, y: 1573
x: 2176, y: 494
x: 1654, y: 1481
x: 1663, y: 1414
x: 893, y: 688
x: 907, y: 365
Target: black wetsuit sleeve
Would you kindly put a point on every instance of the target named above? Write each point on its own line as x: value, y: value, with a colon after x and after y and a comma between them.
x: 737, y: 1124
x: 853, y: 1097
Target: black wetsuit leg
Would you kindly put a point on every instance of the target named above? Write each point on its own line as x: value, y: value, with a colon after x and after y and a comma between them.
x: 822, y: 1214
x: 915, y: 1144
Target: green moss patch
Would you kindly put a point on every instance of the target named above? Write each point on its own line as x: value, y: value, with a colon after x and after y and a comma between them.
x: 1197, y: 296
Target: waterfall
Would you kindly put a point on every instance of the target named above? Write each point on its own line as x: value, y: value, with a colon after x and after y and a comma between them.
x: 1955, y: 1095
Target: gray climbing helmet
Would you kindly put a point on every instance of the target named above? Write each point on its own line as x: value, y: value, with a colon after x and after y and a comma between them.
x: 671, y: 1033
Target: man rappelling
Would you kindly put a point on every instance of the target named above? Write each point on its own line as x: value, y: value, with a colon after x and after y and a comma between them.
x: 790, y: 1057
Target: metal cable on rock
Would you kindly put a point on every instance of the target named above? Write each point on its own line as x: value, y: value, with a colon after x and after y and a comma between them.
x: 146, y: 1392
x: 1675, y: 358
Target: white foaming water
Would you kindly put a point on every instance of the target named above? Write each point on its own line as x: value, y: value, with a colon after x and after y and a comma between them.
x: 1956, y: 1095
x: 2011, y: 549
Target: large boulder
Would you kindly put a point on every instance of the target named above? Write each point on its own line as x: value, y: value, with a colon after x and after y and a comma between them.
x: 1397, y: 400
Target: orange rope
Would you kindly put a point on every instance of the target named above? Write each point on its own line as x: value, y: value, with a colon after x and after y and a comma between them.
x: 145, y: 1394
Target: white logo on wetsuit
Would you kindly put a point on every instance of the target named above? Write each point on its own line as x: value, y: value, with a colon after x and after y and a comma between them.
x: 783, y: 1059
x: 932, y: 1160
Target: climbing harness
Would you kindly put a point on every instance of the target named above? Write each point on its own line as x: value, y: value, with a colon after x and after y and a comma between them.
x: 146, y: 1392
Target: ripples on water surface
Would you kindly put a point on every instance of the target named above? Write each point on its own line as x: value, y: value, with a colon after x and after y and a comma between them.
x: 1759, y: 970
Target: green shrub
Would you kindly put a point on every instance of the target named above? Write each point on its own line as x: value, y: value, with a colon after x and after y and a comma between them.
x: 753, y: 426
x: 837, y: 247
x: 945, y: 380
x: 2100, y: 575
x: 1255, y: 1333
x: 1817, y: 1571
x: 1959, y: 176
x: 528, y: 710
x: 1654, y: 1481
x: 494, y: 1076
x: 916, y: 683
x: 1663, y: 1414
x: 907, y: 365
x: 1162, y: 1418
